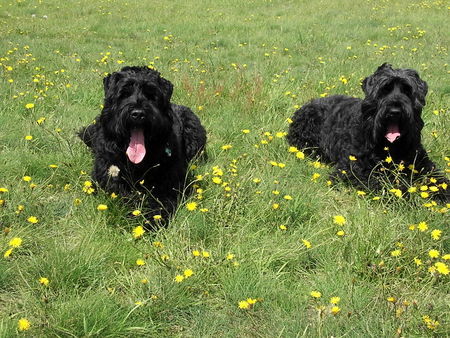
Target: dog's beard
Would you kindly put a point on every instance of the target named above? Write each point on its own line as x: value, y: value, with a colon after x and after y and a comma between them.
x: 136, y: 149
x: 392, y: 126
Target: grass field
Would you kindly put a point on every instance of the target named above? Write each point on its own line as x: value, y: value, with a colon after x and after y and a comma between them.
x: 261, y: 253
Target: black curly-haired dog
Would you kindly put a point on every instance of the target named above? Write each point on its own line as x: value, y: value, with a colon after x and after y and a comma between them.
x: 142, y: 142
x: 358, y: 135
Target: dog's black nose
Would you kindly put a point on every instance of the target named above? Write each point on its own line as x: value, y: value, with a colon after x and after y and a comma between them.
x: 137, y: 114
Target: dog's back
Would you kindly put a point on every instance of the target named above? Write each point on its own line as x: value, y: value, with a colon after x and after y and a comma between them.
x: 311, y: 120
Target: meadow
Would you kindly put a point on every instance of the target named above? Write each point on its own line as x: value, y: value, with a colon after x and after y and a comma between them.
x: 265, y: 246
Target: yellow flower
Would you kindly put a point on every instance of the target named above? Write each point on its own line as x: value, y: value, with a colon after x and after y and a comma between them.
x: 33, y: 219
x: 300, y: 155
x: 138, y: 231
x: 243, y: 304
x: 340, y: 233
x: 216, y: 180
x: 275, y: 206
x: 196, y: 253
x: 287, y: 197
x: 191, y: 206
x: 23, y: 324
x: 335, y: 310
x: 283, y: 227
x: 8, y: 253
x: 26, y: 178
x: 335, y: 300
x: 361, y: 193
x: 422, y: 226
x: 306, y: 243
x: 205, y: 254
x: 424, y: 194
x: 339, y: 220
x: 102, y: 207
x: 391, y: 299
x: 157, y: 217
x: 436, y: 234
x: 442, y: 268
x: 315, y: 176
x: 396, y: 253
x: 388, y: 159
x: 226, y: 147
x: 44, y: 281
x: 229, y: 257
x: 293, y: 150
x: 417, y: 261
x: 29, y: 106
x: 188, y: 273
x: 3, y: 190
x: 179, y: 278
x: 15, y: 242
x: 396, y: 192
x: 245, y: 131
x: 140, y: 262
x: 315, y: 294
x: 446, y: 257
x: 28, y: 137
x: 412, y: 189
x: 136, y: 212
x: 352, y: 158
x: 433, y: 253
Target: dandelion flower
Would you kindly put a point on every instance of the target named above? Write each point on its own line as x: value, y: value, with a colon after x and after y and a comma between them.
x: 243, y: 304
x: 391, y: 299
x: 188, y: 273
x: 226, y: 147
x: 138, y: 232
x: 229, y: 257
x: 179, y: 278
x: 433, y: 253
x: 157, y: 217
x: 15, y: 242
x: 335, y: 300
x: 340, y: 233
x: 306, y: 243
x: 44, y: 281
x: 28, y: 137
x: 102, y: 207
x: 396, y: 253
x: 140, y: 262
x: 315, y: 294
x: 29, y: 106
x: 245, y: 131
x: 283, y: 227
x: 335, y: 310
x: 352, y: 158
x: 217, y: 180
x: 191, y: 206
x: 136, y: 212
x: 442, y: 268
x: 300, y: 155
x: 196, y: 253
x: 3, y: 190
x: 23, y: 324
x: 205, y: 254
x: 422, y: 226
x: 436, y: 234
x: 8, y: 253
x: 339, y: 220
x: 33, y: 219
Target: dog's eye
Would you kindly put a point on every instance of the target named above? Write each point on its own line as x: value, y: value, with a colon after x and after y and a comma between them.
x: 126, y: 91
x: 407, y: 90
x: 150, y: 93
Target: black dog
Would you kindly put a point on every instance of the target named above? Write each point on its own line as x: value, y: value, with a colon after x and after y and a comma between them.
x: 357, y: 135
x: 141, y: 141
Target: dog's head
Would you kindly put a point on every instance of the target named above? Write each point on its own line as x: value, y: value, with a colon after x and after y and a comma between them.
x: 137, y: 109
x: 393, y: 103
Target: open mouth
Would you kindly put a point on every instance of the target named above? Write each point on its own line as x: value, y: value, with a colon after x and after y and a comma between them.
x: 136, y: 149
x: 392, y: 131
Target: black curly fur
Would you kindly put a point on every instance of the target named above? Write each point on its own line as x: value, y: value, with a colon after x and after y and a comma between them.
x: 138, y: 97
x: 338, y: 126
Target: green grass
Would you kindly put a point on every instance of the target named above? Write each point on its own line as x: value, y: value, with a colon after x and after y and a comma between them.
x: 238, y: 65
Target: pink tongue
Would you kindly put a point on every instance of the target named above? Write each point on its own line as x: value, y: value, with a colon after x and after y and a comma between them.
x: 392, y: 133
x: 136, y: 148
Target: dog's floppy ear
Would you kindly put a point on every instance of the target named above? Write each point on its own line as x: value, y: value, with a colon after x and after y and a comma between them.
x: 421, y: 87
x: 109, y: 82
x: 166, y: 88
x: 369, y: 83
